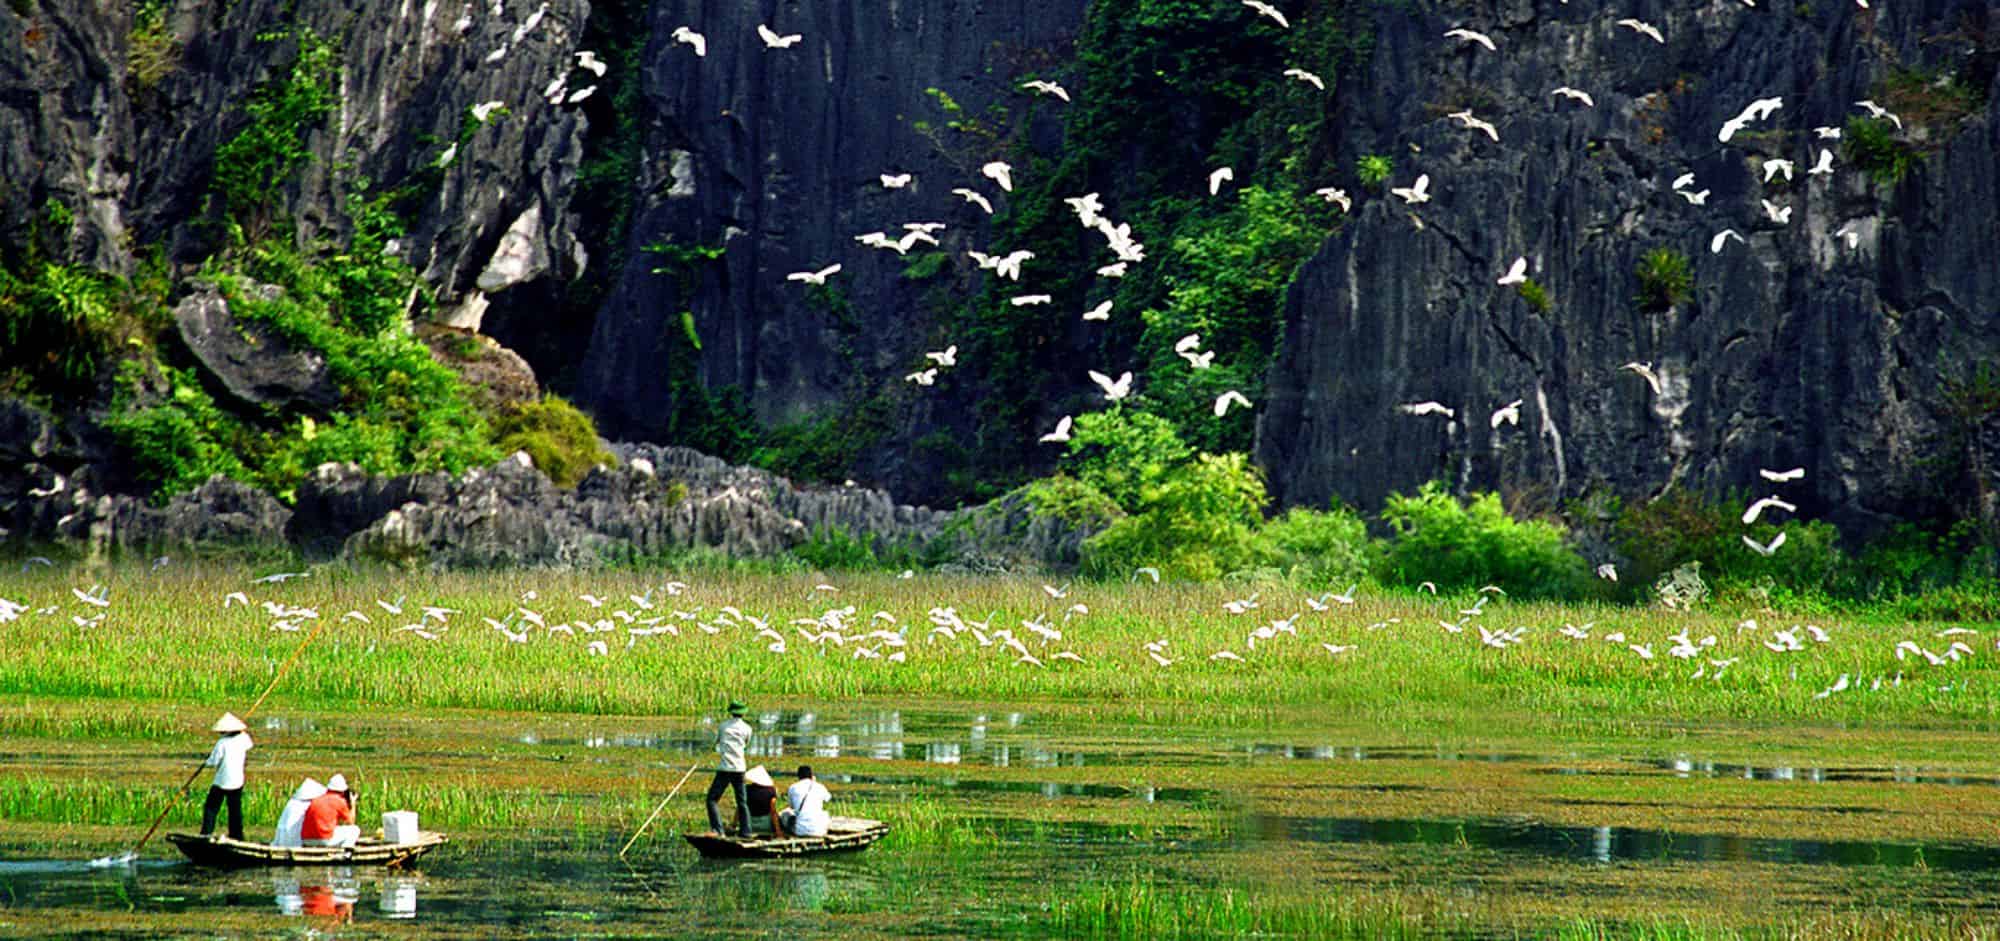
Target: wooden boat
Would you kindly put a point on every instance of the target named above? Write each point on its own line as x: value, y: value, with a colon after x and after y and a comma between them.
x: 223, y: 851
x: 843, y: 834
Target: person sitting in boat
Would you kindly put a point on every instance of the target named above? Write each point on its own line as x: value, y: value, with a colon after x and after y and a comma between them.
x: 329, y: 819
x: 806, y: 814
x: 294, y: 815
x: 730, y: 743
x: 227, y: 759
x: 762, y: 793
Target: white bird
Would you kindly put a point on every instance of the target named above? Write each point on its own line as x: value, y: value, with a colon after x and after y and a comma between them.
x: 1201, y: 360
x: 485, y: 109
x: 1683, y: 181
x: 1425, y: 408
x: 1645, y: 651
x: 1509, y: 414
x: 1574, y: 95
x: 1516, y: 273
x: 597, y: 648
x: 1337, y: 196
x: 1113, y: 390
x: 235, y: 597
x: 1877, y: 111
x: 1849, y: 234
x: 1218, y: 177
x: 589, y: 61
x: 925, y: 377
x: 896, y: 181
x: 975, y: 199
x: 1051, y: 89
x: 1826, y: 132
x: 1223, y: 401
x: 1757, y: 509
x: 1775, y: 166
x: 1762, y: 549
x: 1061, y: 434
x: 1100, y: 312
x: 1031, y: 300
x: 1338, y: 649
x: 1645, y: 371
x: 278, y: 578
x: 683, y: 34
x: 1839, y: 685
x: 1187, y: 344
x: 1825, y: 164
x: 1306, y: 77
x: 1781, y: 215
x: 1418, y: 192
x: 1009, y: 265
x: 1721, y: 238
x: 1694, y: 199
x: 945, y: 357
x: 1147, y: 571
x: 1465, y: 119
x: 580, y: 94
x: 1643, y: 28
x: 1470, y: 36
x: 1782, y: 477
x: 999, y: 172
x: 1225, y: 655
x: 774, y: 41
x: 1608, y: 572
x: 814, y: 277
x: 1267, y: 10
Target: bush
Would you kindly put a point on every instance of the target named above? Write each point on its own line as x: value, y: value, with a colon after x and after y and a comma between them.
x: 1199, y: 522
x: 1320, y: 549
x: 1072, y: 501
x: 182, y: 440
x: 1681, y: 527
x: 1872, y: 145
x: 253, y: 167
x: 838, y: 550
x: 1536, y: 295
x: 1373, y: 170
x: 1665, y: 278
x: 560, y: 439
x: 1124, y: 454
x: 1436, y: 538
x: 57, y: 325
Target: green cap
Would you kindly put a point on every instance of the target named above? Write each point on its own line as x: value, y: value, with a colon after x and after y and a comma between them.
x: 737, y: 708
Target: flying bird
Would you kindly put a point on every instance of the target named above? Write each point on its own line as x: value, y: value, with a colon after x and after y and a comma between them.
x: 1574, y: 95
x: 1306, y: 77
x: 1223, y: 401
x: 1877, y: 111
x: 1516, y: 273
x: 1418, y: 192
x: 926, y: 377
x: 1466, y: 119
x: 1781, y: 477
x: 774, y: 41
x: 814, y: 277
x: 1467, y: 35
x: 1426, y: 408
x: 1100, y: 312
x: 1781, y: 215
x: 1757, y: 509
x: 1643, y: 28
x: 683, y: 34
x: 1825, y: 164
x: 896, y: 181
x: 1031, y: 300
x: 1050, y: 89
x: 945, y: 357
x: 1715, y: 244
x: 999, y: 172
x: 1220, y: 176
x: 1762, y: 549
x: 1694, y: 199
x: 1645, y: 371
x: 588, y: 60
x: 1509, y: 414
x: 1113, y: 390
x: 1061, y: 434
x: 1267, y: 10
x: 974, y: 198
x: 1336, y: 196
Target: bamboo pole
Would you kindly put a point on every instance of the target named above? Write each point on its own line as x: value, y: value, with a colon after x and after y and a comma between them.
x: 656, y: 810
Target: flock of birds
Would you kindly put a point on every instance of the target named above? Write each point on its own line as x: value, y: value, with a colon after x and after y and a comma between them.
x: 599, y: 625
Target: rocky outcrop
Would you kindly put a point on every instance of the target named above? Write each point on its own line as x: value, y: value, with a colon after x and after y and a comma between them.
x: 1801, y: 346
x: 250, y: 361
x: 104, y: 160
x: 495, y: 375
x: 775, y: 156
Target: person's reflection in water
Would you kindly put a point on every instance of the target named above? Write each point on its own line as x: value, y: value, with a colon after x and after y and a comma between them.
x: 399, y: 898
x: 285, y: 889
x: 326, y: 901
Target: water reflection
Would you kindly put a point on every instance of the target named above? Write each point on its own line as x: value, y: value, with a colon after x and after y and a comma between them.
x: 886, y: 735
x: 1610, y: 844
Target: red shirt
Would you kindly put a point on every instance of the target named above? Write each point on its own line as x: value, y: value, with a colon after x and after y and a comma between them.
x: 323, y: 814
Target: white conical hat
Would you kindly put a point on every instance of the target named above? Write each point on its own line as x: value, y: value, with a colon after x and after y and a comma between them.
x: 309, y: 789
x: 759, y: 776
x: 337, y: 783
x: 229, y: 723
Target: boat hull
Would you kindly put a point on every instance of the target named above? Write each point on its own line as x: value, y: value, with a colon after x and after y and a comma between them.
x: 844, y: 835
x: 222, y: 851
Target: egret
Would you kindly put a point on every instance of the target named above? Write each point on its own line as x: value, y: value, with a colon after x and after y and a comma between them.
x: 1509, y: 414
x: 1113, y: 270
x: 1426, y: 408
x: 1768, y: 503
x: 1825, y: 164
x: 1465, y: 119
x: 1223, y: 401
x: 1694, y: 199
x: 814, y: 277
x: 1781, y: 477
x: 1306, y: 77
x: 1608, y: 572
x: 1643, y: 28
x: 774, y: 41
x: 999, y: 172
x: 1516, y: 273
x: 1100, y: 312
x: 1764, y: 549
x: 1061, y: 434
x: 1267, y: 10
x: 1574, y: 95
x: 1683, y: 181
x: 1009, y: 266
x: 1826, y: 132
x: 1218, y: 177
x: 923, y: 377
x: 1188, y: 343
x: 1031, y: 300
x: 581, y: 94
x: 1467, y: 35
x: 1418, y: 192
x: 1113, y: 390
x: 1781, y: 215
x: 1336, y: 196
x: 588, y: 60
x: 896, y: 181
x: 945, y: 357
x: 1645, y: 371
x: 974, y: 198
x: 485, y: 109
x: 1877, y: 111
x: 1050, y: 89
x: 1715, y: 244
x: 682, y: 34
x: 1200, y: 360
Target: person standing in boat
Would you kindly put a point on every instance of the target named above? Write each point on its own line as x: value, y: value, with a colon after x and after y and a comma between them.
x: 763, y: 793
x: 329, y: 819
x: 806, y: 812
x: 730, y: 744
x: 227, y: 758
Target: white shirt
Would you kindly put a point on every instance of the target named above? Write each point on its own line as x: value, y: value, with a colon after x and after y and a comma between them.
x: 730, y: 742
x: 808, y: 802
x: 227, y: 760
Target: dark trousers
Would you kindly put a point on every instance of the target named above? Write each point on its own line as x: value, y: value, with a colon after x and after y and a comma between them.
x: 733, y: 781
x: 216, y: 798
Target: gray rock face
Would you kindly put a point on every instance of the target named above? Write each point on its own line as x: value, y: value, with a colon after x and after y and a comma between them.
x: 253, y: 363
x: 1796, y: 348
x: 775, y: 155
x: 131, y: 164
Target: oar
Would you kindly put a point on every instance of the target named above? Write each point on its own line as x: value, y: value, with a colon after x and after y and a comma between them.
x: 282, y: 670
x: 656, y: 810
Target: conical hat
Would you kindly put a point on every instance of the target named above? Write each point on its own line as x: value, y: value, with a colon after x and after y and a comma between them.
x: 309, y: 790
x: 337, y: 783
x: 229, y: 723
x: 759, y: 776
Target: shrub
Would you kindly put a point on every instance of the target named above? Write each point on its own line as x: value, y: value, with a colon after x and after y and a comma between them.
x: 181, y: 440
x: 1436, y: 538
x: 1320, y: 549
x: 561, y: 439
x: 56, y: 325
x: 1680, y: 527
x: 1872, y: 145
x: 1123, y: 454
x: 1072, y: 501
x: 1374, y: 169
x: 253, y: 167
x: 1536, y: 296
x: 150, y: 50
x: 1199, y: 522
x: 1665, y: 278
x: 837, y: 549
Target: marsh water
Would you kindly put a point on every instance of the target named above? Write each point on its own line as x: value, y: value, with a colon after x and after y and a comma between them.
x: 1022, y: 810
